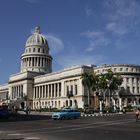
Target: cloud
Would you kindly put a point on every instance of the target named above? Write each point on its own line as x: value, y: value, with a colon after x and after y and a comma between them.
x: 55, y: 43
x: 32, y: 1
x: 79, y: 59
x: 96, y: 39
x: 122, y: 15
x: 117, y: 28
x: 91, y: 34
x: 88, y: 11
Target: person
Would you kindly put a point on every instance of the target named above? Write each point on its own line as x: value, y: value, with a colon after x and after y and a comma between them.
x: 123, y: 110
x: 137, y: 113
x: 26, y: 110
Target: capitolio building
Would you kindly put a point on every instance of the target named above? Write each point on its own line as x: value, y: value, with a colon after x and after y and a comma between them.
x: 37, y: 86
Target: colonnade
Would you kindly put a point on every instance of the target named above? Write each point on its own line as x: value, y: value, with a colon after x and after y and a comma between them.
x: 17, y: 92
x: 132, y: 84
x: 36, y: 62
x: 47, y: 91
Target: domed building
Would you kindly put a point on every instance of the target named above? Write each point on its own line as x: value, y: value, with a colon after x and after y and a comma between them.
x: 36, y: 56
x: 36, y: 86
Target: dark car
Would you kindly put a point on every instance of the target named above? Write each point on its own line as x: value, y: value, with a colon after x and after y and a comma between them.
x: 4, y: 113
x: 88, y: 110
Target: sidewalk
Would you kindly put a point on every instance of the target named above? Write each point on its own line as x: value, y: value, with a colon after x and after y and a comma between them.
x: 37, y: 113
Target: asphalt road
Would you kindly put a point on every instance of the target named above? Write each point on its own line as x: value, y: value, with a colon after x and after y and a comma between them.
x: 117, y: 127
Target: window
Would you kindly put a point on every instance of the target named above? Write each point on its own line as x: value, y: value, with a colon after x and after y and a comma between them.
x: 75, y: 89
x: 56, y: 89
x: 33, y: 49
x: 29, y: 49
x: 128, y: 88
x: 127, y: 80
x: 38, y: 49
x: 133, y: 89
x: 132, y: 80
x: 59, y: 89
x: 46, y: 90
x: 126, y: 69
x: 138, y: 90
x: 67, y: 90
x: 52, y: 90
x: 49, y: 90
x: 114, y: 69
x: 71, y: 89
x: 121, y: 69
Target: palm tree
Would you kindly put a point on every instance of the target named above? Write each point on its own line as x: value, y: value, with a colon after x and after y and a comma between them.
x: 109, y: 81
x: 88, y: 82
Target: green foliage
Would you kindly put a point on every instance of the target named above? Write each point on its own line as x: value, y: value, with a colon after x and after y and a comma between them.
x: 108, y: 81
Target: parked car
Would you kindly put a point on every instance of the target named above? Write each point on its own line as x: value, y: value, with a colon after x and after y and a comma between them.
x: 66, y: 114
x: 88, y: 110
x: 4, y: 113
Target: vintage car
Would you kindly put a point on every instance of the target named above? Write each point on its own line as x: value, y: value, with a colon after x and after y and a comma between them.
x: 66, y: 114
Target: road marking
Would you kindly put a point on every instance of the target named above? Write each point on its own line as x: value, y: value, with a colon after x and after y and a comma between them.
x: 31, y: 138
x: 15, y: 134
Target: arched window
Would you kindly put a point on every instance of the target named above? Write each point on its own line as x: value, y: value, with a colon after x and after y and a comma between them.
x: 70, y: 102
x: 66, y: 102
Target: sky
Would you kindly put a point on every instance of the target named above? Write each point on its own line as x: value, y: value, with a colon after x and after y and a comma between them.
x: 78, y: 32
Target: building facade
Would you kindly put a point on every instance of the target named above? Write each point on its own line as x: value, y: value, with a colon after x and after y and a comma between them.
x: 38, y: 87
x: 129, y: 91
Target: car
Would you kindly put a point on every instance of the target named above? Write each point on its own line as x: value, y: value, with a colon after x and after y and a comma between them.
x: 66, y: 114
x: 4, y: 113
x: 88, y: 110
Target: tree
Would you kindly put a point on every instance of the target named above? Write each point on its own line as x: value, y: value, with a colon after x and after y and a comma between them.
x: 88, y: 81
x: 109, y: 82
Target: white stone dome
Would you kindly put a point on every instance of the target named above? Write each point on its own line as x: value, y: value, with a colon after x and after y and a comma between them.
x: 36, y: 38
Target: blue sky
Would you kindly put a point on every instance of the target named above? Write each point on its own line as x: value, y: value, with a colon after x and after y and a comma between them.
x: 78, y: 31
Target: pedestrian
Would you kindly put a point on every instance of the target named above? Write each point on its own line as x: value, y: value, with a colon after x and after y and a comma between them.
x: 137, y: 113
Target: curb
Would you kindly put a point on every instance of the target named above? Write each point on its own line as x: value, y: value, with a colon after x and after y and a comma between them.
x: 94, y: 115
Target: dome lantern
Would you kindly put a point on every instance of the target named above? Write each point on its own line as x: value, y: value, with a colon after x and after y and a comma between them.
x: 37, y: 29
x: 36, y: 38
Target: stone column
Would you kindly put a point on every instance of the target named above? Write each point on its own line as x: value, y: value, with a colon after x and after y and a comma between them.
x: 131, y: 85
x: 120, y: 103
x: 100, y: 102
x: 114, y: 104
x: 136, y: 85
x: 125, y: 82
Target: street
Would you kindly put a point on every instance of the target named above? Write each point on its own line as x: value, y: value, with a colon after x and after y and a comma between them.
x: 115, y: 127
